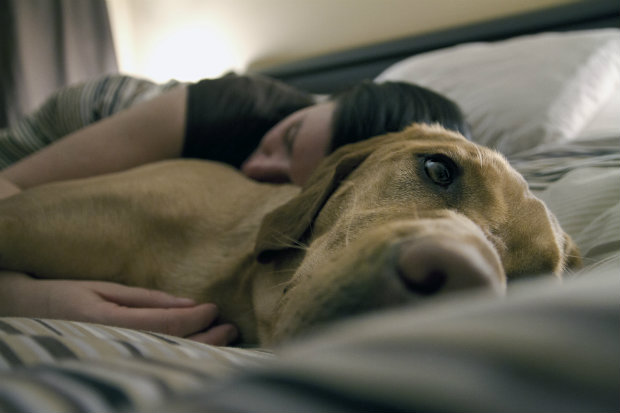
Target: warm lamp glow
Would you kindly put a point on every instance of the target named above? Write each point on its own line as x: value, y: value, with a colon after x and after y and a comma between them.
x: 189, y: 53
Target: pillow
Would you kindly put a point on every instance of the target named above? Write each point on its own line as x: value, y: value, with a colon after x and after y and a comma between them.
x: 524, y: 91
x: 606, y: 121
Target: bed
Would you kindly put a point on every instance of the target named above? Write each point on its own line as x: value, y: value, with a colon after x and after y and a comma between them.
x: 542, y: 88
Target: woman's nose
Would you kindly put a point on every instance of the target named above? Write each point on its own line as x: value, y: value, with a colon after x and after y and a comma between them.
x: 266, y: 169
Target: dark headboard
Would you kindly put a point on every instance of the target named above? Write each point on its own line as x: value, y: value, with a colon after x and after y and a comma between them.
x: 335, y: 71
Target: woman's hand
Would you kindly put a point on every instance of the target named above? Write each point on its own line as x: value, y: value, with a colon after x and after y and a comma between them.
x: 112, y: 304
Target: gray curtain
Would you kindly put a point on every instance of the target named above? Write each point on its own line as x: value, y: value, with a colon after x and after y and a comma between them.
x: 46, y: 44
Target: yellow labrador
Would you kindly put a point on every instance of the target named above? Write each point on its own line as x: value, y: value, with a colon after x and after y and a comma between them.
x: 383, y: 222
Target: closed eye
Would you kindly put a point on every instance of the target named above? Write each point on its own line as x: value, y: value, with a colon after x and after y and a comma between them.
x: 289, y: 135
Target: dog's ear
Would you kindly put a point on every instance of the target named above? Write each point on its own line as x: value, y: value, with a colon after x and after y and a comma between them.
x: 285, y: 226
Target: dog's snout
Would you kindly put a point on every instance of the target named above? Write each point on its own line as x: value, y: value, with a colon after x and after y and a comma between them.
x: 429, y: 267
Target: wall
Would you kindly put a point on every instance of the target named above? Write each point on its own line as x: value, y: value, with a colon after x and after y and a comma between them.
x: 192, y: 39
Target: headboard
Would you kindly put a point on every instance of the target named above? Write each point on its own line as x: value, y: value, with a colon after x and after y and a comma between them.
x: 334, y: 71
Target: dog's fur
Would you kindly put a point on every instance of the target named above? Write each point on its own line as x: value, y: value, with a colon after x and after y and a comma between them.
x: 381, y: 222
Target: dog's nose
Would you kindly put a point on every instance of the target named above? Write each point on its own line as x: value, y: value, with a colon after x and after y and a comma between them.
x: 429, y: 267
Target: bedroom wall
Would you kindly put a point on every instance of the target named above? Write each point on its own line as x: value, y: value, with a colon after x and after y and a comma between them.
x: 192, y: 39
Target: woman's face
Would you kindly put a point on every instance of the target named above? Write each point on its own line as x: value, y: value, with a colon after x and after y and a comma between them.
x: 291, y: 150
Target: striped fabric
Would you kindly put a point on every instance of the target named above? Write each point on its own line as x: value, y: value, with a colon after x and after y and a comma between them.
x: 72, y: 108
x: 63, y: 366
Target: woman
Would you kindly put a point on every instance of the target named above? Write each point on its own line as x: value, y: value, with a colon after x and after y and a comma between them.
x: 225, y: 119
x: 269, y: 130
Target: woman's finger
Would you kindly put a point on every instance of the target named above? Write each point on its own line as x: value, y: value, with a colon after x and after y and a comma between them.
x: 221, y: 335
x: 137, y: 297
x: 180, y: 322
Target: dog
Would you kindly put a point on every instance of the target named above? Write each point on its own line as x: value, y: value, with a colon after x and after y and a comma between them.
x: 388, y: 221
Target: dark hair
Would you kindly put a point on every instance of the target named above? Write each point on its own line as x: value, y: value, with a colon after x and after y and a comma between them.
x: 370, y: 109
x: 228, y: 116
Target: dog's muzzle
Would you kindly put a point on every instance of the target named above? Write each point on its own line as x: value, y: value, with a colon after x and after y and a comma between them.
x: 430, y: 266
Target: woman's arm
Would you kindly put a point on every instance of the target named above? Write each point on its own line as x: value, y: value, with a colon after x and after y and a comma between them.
x: 150, y: 131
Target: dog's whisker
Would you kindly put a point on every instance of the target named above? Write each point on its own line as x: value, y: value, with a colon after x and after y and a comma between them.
x: 582, y: 257
x: 586, y: 260
x: 280, y: 286
x: 291, y: 242
x: 284, y: 272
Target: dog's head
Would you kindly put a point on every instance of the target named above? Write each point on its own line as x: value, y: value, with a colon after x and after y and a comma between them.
x: 403, y: 216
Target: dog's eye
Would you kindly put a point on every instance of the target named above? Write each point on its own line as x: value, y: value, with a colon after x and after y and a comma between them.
x: 440, y: 169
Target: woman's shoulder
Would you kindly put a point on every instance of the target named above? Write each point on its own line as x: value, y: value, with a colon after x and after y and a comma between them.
x: 251, y: 87
x: 235, y: 80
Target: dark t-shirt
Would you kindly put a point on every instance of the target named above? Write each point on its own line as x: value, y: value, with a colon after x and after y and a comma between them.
x: 228, y: 116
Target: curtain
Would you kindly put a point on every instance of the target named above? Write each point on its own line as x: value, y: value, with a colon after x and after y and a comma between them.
x: 47, y: 44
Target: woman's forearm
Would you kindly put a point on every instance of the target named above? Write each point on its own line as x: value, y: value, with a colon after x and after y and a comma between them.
x: 148, y: 132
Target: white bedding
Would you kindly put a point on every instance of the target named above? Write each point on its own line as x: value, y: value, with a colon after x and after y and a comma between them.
x: 526, y: 91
